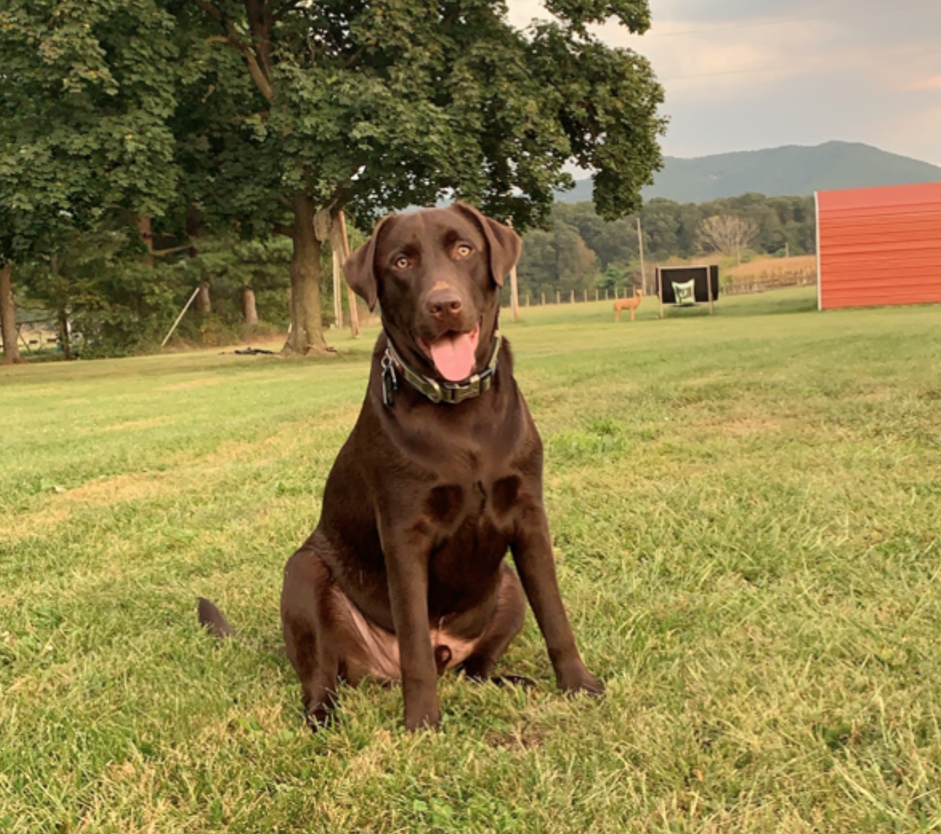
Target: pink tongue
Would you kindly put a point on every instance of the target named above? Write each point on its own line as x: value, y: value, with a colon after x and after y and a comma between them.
x: 453, y: 356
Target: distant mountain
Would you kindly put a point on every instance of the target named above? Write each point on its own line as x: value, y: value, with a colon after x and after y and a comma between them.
x: 791, y: 170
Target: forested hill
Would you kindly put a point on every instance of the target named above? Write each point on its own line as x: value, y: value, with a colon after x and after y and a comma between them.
x: 777, y: 172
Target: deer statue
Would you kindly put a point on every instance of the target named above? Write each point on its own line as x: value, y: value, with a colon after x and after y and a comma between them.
x: 628, y: 304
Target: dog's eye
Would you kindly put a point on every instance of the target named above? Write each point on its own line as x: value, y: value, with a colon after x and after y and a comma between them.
x: 401, y: 262
x: 463, y: 250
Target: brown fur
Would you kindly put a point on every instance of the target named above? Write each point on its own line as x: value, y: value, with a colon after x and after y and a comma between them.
x: 404, y: 577
x: 630, y: 304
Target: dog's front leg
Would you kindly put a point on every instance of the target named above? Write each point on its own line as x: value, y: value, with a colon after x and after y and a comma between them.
x: 406, y: 556
x: 535, y: 564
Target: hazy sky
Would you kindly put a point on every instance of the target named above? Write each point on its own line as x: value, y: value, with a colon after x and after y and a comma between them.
x: 750, y: 74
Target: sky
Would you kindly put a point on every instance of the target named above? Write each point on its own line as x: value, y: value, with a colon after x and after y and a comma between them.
x: 749, y: 74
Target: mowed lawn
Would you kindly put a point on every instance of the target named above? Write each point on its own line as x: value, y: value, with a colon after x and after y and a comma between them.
x: 746, y: 510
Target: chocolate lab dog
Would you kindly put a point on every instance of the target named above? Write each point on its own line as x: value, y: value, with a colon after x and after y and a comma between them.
x: 404, y: 576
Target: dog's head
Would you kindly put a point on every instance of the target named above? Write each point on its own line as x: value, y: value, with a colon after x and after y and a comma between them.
x: 437, y: 274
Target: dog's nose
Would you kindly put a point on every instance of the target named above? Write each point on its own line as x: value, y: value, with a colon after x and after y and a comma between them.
x: 443, y: 303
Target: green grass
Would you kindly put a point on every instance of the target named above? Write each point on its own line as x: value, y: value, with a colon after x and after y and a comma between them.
x: 747, y: 516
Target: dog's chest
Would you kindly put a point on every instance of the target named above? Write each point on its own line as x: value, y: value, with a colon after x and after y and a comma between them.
x: 472, y: 524
x: 483, y: 501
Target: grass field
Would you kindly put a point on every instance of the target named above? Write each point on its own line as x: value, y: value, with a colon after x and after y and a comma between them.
x: 746, y: 510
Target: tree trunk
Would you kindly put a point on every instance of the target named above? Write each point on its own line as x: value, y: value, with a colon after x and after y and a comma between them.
x: 62, y: 326
x: 306, y: 334
x: 11, y: 350
x: 249, y: 310
x: 147, y: 236
x: 203, y: 300
x: 193, y: 227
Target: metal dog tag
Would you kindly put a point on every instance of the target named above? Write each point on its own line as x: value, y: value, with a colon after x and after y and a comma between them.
x: 390, y: 383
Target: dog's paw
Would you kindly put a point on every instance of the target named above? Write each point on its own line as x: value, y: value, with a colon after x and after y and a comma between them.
x: 320, y: 713
x: 423, y: 720
x: 318, y: 718
x: 584, y: 683
x: 478, y: 668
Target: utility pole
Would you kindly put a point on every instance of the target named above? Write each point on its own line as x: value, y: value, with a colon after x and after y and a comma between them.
x: 514, y: 288
x: 640, y: 248
x: 345, y: 249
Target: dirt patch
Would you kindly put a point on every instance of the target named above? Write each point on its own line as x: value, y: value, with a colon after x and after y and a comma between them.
x: 118, y: 488
x: 59, y: 507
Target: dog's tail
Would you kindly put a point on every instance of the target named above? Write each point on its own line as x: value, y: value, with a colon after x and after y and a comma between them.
x: 213, y: 620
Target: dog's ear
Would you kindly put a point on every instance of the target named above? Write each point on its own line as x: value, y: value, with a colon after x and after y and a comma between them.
x: 504, y: 244
x: 360, y: 266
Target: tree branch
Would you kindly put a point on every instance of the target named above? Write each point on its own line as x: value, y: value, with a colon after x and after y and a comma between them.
x: 159, y: 253
x: 254, y: 68
x: 345, y: 191
x: 287, y: 7
x: 259, y: 24
x: 340, y: 197
x: 283, y: 229
x: 209, y: 9
x: 258, y: 73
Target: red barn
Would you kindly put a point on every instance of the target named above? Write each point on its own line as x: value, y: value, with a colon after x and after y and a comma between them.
x: 879, y: 246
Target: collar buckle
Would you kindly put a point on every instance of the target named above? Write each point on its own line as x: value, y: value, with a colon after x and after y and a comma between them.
x: 434, y: 391
x: 451, y: 393
x: 459, y: 392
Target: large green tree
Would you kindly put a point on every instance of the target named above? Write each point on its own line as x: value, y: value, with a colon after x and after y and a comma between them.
x: 86, y: 149
x: 375, y: 105
x: 88, y: 87
x: 274, y: 115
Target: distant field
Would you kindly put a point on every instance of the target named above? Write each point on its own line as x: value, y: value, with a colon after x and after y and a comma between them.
x: 776, y: 271
x: 774, y: 266
x: 746, y: 510
x: 759, y: 274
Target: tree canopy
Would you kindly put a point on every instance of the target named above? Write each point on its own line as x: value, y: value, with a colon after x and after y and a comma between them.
x: 186, y: 118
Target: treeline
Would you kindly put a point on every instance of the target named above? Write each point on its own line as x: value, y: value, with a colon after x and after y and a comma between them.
x: 117, y: 296
x: 583, y: 252
x: 106, y: 294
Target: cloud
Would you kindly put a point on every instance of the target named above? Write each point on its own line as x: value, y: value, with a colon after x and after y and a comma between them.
x: 930, y: 83
x: 746, y: 74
